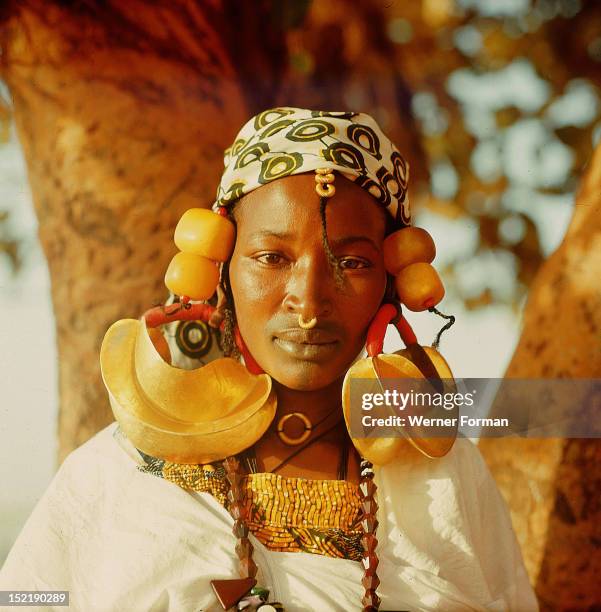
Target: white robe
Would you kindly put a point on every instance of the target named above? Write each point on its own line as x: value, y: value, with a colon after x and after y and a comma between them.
x: 119, y: 539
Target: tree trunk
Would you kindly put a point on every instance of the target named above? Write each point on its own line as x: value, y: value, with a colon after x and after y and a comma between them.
x: 552, y: 486
x: 122, y: 130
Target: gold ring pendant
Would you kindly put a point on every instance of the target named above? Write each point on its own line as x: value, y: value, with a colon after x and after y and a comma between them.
x: 294, y: 441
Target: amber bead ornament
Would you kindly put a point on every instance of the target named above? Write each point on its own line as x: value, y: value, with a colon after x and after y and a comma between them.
x: 205, y: 239
x: 408, y: 254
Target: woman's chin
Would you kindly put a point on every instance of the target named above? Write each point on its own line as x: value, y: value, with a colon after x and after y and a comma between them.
x: 303, y: 377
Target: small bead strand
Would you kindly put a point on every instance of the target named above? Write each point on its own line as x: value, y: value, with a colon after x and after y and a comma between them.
x: 367, y: 492
x: 244, y: 549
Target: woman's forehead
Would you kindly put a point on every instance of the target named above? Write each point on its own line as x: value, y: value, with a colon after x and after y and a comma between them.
x: 290, y: 206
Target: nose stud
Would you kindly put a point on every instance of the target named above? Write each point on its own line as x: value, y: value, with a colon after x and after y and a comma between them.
x: 306, y: 325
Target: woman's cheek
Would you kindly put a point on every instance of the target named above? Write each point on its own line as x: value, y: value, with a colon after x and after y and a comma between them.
x: 248, y: 281
x: 257, y: 297
x: 367, y: 294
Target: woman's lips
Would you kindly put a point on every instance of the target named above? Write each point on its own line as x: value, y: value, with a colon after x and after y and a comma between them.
x: 313, y: 344
x: 306, y: 336
x: 305, y: 351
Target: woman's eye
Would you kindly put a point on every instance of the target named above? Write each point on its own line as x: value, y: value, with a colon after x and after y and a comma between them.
x: 270, y: 259
x: 352, y: 263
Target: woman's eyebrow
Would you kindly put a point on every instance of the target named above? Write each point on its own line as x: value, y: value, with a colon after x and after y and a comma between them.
x: 271, y: 234
x: 336, y: 243
x: 346, y: 240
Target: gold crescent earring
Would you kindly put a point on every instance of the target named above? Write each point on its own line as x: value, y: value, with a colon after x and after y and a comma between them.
x: 309, y: 324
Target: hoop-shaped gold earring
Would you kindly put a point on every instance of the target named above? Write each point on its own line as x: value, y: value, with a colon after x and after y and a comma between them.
x: 309, y: 324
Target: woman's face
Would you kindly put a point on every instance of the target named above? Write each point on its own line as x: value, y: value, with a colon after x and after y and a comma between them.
x: 280, y: 270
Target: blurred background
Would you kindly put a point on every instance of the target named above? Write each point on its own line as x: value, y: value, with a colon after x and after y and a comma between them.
x: 28, y: 359
x: 113, y: 120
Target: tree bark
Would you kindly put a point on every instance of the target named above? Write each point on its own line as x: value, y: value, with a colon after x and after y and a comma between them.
x: 122, y: 130
x: 552, y: 486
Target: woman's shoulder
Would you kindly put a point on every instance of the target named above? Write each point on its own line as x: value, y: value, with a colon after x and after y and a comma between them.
x: 464, y: 460
x: 91, y: 472
x: 465, y: 456
x: 106, y: 448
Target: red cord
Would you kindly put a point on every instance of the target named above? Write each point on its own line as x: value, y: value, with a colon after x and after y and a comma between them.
x: 377, y: 329
x: 251, y: 365
x: 407, y: 334
x: 159, y: 315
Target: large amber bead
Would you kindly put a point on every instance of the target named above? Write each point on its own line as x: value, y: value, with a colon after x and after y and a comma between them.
x: 192, y: 275
x: 419, y: 287
x: 202, y: 232
x: 408, y: 246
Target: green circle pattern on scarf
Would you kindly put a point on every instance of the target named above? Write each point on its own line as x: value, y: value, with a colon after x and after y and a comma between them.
x: 366, y: 138
x: 284, y: 141
x: 312, y: 129
x: 277, y: 167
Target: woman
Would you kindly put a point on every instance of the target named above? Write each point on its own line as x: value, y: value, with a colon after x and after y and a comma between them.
x: 313, y: 197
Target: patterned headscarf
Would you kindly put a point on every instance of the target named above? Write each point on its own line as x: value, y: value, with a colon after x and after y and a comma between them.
x: 283, y: 141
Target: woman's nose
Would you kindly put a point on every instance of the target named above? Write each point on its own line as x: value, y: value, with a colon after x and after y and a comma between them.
x: 310, y: 290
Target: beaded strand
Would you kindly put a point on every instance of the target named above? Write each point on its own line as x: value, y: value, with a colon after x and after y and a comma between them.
x: 244, y: 549
x: 367, y: 491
